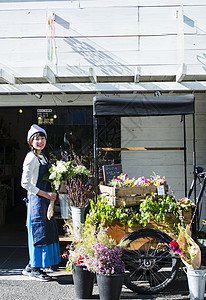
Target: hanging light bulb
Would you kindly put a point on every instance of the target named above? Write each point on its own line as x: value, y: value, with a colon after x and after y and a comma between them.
x: 55, y: 116
x: 21, y: 111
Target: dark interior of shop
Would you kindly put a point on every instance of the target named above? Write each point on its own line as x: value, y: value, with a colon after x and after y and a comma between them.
x: 70, y: 129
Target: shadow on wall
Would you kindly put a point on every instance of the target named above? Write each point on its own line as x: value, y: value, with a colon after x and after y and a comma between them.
x: 94, y: 54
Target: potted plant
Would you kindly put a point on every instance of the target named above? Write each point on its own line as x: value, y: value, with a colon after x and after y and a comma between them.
x: 94, y: 252
x: 163, y: 213
x: 75, y: 255
x: 79, y: 191
x: 105, y: 259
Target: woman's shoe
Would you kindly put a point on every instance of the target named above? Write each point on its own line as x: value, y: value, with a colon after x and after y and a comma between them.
x: 27, y: 270
x: 39, y: 275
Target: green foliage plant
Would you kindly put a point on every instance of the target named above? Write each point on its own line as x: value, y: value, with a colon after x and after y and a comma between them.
x: 162, y: 209
x: 103, y: 212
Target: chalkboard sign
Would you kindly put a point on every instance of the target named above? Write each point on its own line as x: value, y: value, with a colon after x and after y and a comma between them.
x: 111, y: 171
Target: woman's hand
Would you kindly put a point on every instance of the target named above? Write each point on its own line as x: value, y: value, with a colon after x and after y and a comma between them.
x: 52, y: 196
x: 48, y: 195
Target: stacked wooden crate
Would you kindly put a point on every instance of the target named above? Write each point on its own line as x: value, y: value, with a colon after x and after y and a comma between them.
x: 128, y: 196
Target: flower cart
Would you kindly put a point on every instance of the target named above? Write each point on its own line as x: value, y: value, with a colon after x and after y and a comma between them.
x: 150, y: 264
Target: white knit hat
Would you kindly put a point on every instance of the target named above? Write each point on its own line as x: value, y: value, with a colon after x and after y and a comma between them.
x: 34, y: 129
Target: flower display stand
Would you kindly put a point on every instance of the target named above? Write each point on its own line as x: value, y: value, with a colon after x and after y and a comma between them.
x: 128, y: 196
x: 118, y: 230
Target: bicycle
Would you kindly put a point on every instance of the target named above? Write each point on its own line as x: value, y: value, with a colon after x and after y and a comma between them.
x: 200, y: 176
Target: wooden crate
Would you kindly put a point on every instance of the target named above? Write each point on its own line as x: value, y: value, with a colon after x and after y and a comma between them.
x: 128, y: 196
x: 118, y: 230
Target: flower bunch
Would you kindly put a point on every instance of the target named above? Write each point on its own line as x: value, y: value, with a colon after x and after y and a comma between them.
x: 106, y: 260
x: 121, y: 181
x: 175, y: 247
x: 187, y: 249
x: 96, y: 251
x: 75, y: 176
x: 142, y: 181
x: 73, y: 255
x: 60, y: 171
x: 186, y: 256
x: 124, y: 181
x: 157, y: 180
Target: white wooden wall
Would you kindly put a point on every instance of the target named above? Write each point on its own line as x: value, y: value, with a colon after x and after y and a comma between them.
x: 163, y: 132
x: 112, y: 36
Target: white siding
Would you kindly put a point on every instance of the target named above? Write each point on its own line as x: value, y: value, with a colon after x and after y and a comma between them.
x: 118, y: 35
x: 164, y: 132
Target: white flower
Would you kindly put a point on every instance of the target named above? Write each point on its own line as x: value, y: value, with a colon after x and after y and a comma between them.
x: 60, y: 167
x: 80, y: 169
x: 53, y: 175
x: 56, y: 184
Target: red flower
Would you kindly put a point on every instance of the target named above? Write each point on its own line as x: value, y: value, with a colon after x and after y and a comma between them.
x: 80, y: 260
x: 174, y: 245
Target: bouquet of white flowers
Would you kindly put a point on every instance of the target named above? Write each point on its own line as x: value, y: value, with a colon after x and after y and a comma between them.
x: 60, y: 171
x: 75, y: 176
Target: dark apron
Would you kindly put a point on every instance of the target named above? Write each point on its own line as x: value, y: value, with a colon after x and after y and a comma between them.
x: 44, y: 231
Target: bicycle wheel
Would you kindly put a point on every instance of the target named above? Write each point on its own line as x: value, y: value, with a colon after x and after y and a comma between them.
x: 150, y: 264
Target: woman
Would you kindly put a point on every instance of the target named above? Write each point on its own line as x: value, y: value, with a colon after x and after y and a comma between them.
x: 43, y: 241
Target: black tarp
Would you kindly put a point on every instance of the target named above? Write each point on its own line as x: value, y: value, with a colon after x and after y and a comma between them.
x: 143, y: 106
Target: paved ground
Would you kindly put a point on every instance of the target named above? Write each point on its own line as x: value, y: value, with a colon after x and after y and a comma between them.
x: 14, y: 286
x: 58, y: 290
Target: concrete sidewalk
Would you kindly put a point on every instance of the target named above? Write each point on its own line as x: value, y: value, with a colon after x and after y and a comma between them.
x: 33, y: 290
x: 14, y: 286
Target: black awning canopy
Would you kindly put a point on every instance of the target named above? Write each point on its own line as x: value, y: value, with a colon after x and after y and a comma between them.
x: 140, y: 106
x: 143, y: 106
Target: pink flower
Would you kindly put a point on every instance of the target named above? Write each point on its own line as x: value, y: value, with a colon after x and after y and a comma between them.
x: 178, y: 251
x: 174, y: 245
x: 145, y: 180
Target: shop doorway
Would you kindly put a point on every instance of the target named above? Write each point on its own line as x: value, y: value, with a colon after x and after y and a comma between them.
x: 69, y: 129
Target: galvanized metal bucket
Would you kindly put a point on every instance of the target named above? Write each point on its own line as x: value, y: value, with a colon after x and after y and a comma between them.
x: 64, y: 206
x: 196, y: 283
x: 78, y: 219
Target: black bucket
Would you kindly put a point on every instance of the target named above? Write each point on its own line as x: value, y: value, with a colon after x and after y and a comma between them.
x: 83, y: 282
x: 110, y: 286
